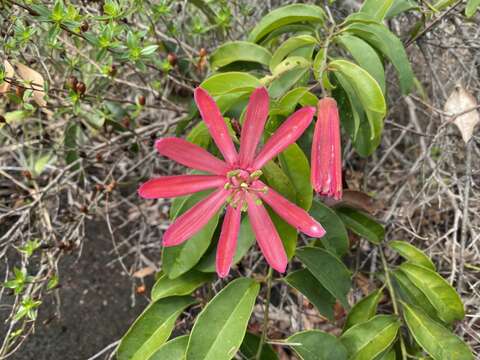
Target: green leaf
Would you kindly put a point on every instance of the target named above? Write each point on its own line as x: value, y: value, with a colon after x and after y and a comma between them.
x: 368, y: 91
x: 250, y: 345
x: 472, y: 7
x: 376, y: 8
x: 199, y: 135
x: 288, y: 46
x: 229, y: 82
x: 287, y: 104
x: 365, y: 56
x: 287, y: 80
x: 412, y: 254
x: 177, y: 260
x: 152, y: 328
x: 288, y: 233
x: 220, y: 327
x: 364, y: 310
x: 295, y: 164
x: 389, y: 45
x: 318, y: 63
x: 371, y: 338
x: 350, y: 108
x: 312, y: 289
x: 400, y: 6
x: 336, y: 237
x: 246, y: 238
x: 434, y: 338
x: 183, y: 285
x: 361, y: 224
x: 438, y: 291
x: 328, y: 270
x: 317, y: 345
x: 278, y: 180
x: 171, y: 350
x: 235, y: 51
x: 412, y: 295
x: 284, y: 16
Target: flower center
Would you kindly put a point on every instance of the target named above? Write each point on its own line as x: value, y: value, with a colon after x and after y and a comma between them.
x: 241, y: 181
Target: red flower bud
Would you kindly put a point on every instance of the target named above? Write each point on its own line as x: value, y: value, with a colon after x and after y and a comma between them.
x: 326, y: 159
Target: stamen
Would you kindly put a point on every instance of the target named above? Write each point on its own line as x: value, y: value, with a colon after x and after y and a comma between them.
x: 233, y: 173
x: 256, y: 174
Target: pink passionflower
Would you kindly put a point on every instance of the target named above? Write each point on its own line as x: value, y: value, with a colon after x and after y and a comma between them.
x: 236, y: 179
x: 326, y: 175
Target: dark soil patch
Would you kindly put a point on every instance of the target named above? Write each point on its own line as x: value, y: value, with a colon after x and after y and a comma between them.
x: 95, y: 305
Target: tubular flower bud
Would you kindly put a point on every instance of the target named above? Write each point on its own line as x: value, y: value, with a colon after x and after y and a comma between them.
x: 326, y: 176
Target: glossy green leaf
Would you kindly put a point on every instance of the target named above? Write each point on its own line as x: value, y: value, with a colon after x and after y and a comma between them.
x: 368, y: 91
x: 365, y: 56
x: 287, y: 104
x: 200, y: 135
x: 389, y: 355
x: 377, y: 8
x: 286, y: 15
x: 411, y: 294
x: 336, y: 237
x: 152, y: 328
x: 179, y: 259
x: 312, y: 289
x: 281, y: 85
x: 329, y: 270
x: 288, y: 47
x: 472, y: 7
x: 433, y: 337
x: 317, y: 345
x: 228, y: 82
x: 389, y: 45
x: 172, y: 350
x: 278, y: 180
x: 364, y: 310
x: 296, y: 166
x: 221, y: 326
x: 350, y: 108
x: 362, y: 224
x: 249, y: 348
x: 411, y: 253
x: 400, y: 6
x: 288, y: 234
x: 246, y: 238
x: 371, y: 338
x: 234, y: 51
x: 182, y: 285
x: 439, y: 292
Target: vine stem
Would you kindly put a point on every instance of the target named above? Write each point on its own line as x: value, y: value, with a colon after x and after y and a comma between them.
x: 265, y: 315
x: 393, y: 297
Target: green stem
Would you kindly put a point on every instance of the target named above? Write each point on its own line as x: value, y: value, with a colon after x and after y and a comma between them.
x: 265, y: 315
x: 394, y: 299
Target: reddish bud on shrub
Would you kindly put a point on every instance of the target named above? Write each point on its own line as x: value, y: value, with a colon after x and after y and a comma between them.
x: 202, y: 52
x: 141, y: 100
x: 19, y: 91
x: 172, y: 59
x: 113, y: 71
x: 141, y: 289
x: 84, y: 27
x: 71, y: 82
x: 81, y: 88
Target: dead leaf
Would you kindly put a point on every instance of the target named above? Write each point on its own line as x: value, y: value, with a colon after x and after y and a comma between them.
x: 10, y: 73
x: 35, y: 79
x: 459, y: 101
x: 143, y: 272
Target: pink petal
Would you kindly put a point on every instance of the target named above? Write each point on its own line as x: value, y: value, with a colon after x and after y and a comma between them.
x: 191, y: 155
x: 216, y: 125
x: 291, y: 213
x: 227, y: 243
x: 326, y: 176
x: 173, y: 186
x: 267, y: 235
x: 255, y: 118
x: 285, y: 135
x: 192, y: 221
